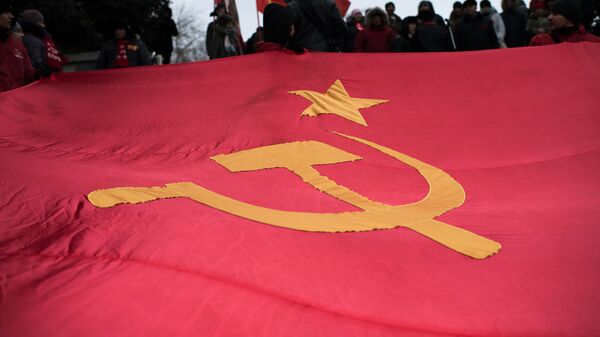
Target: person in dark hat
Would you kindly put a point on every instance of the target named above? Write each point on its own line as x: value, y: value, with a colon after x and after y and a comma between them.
x: 278, y: 24
x: 165, y: 30
x: 426, y: 8
x: 226, y: 40
x: 565, y: 25
x: 15, y: 66
x: 432, y: 37
x: 210, y: 30
x: 515, y: 23
x: 45, y: 56
x: 123, y: 50
x: 377, y: 37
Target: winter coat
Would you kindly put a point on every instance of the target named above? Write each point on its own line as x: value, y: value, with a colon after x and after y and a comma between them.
x: 15, y: 66
x: 353, y: 28
x: 217, y: 48
x: 163, y: 39
x: 578, y: 35
x: 137, y: 54
x: 476, y: 33
x: 375, y: 39
x: 395, y: 23
x: 433, y: 37
x: 318, y: 25
x: 498, y: 26
x: 515, y: 23
x: 38, y: 54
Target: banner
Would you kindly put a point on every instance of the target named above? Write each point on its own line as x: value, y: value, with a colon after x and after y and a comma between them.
x: 440, y: 194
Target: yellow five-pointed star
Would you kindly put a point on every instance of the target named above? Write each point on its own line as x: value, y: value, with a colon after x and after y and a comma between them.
x: 337, y: 101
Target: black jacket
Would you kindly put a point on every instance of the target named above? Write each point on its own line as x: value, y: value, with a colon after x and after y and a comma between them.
x: 476, y: 33
x: 318, y: 24
x: 515, y: 23
x: 433, y: 37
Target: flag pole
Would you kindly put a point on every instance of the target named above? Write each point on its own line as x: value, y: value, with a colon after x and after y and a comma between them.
x: 260, y: 37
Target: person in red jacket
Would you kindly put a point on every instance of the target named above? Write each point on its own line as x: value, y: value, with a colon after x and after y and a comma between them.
x: 565, y: 25
x: 15, y: 66
x: 378, y: 37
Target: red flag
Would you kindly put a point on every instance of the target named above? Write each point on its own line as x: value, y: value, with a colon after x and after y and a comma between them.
x: 343, y: 6
x: 304, y: 195
x: 261, y: 4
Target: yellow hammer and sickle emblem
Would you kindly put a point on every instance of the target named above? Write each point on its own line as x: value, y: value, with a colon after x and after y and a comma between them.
x: 445, y: 193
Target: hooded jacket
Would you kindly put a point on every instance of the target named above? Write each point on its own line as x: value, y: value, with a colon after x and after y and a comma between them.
x: 15, y: 66
x: 375, y: 39
x: 436, y: 17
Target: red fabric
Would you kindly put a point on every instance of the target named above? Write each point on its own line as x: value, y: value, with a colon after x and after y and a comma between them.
x: 121, y: 60
x: 343, y: 6
x: 529, y: 168
x: 375, y: 40
x: 578, y: 36
x: 261, y: 4
x: 263, y: 46
x: 56, y: 59
x: 15, y: 65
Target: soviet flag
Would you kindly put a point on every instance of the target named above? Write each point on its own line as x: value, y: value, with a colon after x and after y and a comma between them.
x: 447, y: 194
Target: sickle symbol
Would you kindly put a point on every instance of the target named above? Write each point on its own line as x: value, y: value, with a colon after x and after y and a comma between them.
x: 445, y: 193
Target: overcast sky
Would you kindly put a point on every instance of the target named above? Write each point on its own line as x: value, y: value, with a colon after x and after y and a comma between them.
x: 247, y: 9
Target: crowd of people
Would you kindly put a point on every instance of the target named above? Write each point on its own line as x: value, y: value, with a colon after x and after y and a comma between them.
x: 316, y: 25
x: 27, y: 51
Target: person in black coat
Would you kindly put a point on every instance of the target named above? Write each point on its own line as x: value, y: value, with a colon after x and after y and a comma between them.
x: 515, y: 23
x: 165, y: 30
x: 318, y: 24
x: 475, y: 32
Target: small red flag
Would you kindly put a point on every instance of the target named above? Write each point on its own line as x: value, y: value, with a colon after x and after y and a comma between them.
x: 343, y: 6
x: 261, y: 4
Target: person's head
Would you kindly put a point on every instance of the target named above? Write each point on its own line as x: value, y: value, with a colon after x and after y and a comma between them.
x: 356, y: 15
x: 426, y: 12
x: 226, y: 21
x: 33, y: 16
x: 485, y: 7
x: 6, y: 16
x: 166, y: 13
x: 409, y: 25
x: 470, y: 7
x: 390, y: 8
x: 509, y: 5
x: 278, y: 24
x: 219, y: 10
x: 425, y: 5
x: 565, y: 13
x: 121, y: 29
x: 377, y: 18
